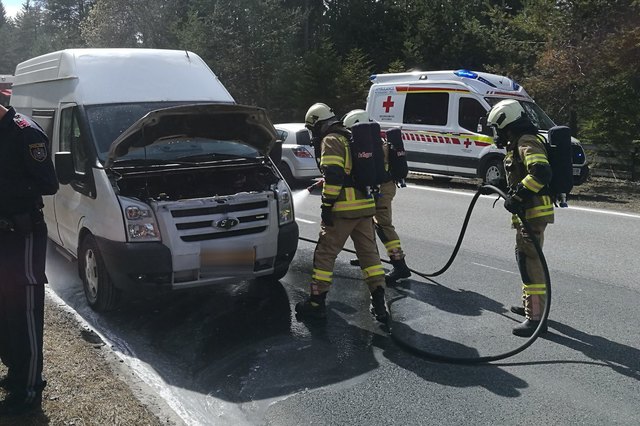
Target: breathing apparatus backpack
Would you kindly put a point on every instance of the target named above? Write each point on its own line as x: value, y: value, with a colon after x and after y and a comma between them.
x: 560, y: 155
x: 368, y: 158
x: 398, y: 168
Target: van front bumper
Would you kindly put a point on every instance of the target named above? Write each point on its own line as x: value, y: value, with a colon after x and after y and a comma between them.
x: 140, y: 266
x: 131, y: 265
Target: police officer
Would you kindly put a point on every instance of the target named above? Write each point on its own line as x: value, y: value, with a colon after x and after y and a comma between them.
x: 346, y: 212
x: 382, y: 219
x: 528, y: 172
x: 26, y: 173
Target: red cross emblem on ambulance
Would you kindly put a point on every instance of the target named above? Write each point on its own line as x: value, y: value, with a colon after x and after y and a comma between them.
x: 388, y: 104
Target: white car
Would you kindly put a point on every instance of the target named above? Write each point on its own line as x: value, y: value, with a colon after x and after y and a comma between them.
x: 298, y: 160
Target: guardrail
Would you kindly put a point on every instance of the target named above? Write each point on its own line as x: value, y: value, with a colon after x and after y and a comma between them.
x: 609, y: 161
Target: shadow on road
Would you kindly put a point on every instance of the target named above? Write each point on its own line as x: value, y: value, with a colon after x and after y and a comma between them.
x: 620, y: 358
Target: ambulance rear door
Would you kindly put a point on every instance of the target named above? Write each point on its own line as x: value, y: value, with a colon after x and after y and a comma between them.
x: 427, y: 127
x: 468, y: 143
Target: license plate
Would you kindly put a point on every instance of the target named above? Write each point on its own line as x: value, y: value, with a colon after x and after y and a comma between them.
x: 576, y: 171
x: 227, y: 258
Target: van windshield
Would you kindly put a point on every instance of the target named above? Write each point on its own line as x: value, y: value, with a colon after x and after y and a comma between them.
x: 539, y: 118
x: 107, y: 122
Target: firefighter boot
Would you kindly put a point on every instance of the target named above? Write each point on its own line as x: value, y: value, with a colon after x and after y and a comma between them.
x: 526, y: 328
x: 379, y: 305
x: 312, y: 308
x: 518, y: 310
x: 400, y: 271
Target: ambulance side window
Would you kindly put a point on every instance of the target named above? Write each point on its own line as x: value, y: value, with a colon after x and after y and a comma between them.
x: 426, y: 108
x: 469, y: 113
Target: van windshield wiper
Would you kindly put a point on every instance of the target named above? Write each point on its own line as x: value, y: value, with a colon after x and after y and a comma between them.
x: 150, y: 162
x: 212, y: 157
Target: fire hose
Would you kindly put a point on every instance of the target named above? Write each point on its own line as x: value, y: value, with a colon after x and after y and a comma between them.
x: 485, y: 189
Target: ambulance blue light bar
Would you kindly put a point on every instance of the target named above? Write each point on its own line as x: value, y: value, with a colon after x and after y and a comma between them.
x: 466, y: 74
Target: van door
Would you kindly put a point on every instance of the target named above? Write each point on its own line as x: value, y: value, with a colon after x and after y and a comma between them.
x: 45, y: 117
x: 472, y: 144
x: 71, y: 200
x: 426, y: 129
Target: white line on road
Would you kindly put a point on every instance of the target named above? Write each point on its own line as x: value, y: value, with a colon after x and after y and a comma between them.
x: 304, y: 220
x: 471, y: 194
x: 611, y: 212
x: 497, y: 269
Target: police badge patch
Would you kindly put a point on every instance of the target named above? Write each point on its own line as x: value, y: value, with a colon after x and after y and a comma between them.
x: 38, y: 151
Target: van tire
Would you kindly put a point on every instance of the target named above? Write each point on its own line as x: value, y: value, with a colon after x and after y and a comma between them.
x: 494, y: 170
x: 101, y: 294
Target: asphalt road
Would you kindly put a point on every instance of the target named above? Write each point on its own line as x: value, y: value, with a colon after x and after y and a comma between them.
x: 236, y: 355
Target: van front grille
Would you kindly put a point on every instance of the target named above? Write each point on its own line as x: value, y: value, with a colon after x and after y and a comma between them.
x: 228, y: 219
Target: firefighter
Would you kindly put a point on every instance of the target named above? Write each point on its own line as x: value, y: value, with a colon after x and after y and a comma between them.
x: 528, y: 173
x: 26, y: 173
x: 346, y: 211
x: 382, y: 219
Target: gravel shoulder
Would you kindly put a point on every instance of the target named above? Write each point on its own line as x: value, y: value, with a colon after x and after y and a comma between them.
x: 89, y: 385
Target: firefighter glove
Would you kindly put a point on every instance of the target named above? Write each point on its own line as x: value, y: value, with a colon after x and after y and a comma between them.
x: 513, y: 203
x: 326, y: 215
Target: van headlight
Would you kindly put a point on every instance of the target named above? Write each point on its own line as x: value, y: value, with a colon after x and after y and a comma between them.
x: 141, y: 223
x: 285, y: 203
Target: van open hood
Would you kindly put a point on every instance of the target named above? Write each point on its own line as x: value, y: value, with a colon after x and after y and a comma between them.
x: 215, y: 121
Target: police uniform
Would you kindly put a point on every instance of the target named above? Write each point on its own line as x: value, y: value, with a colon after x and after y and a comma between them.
x: 26, y: 173
x: 351, y: 213
x: 519, y: 163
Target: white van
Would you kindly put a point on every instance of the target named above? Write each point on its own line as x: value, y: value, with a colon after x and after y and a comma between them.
x: 440, y: 114
x: 165, y: 181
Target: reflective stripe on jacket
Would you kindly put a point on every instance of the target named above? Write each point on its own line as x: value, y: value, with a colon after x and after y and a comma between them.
x: 336, y: 166
x: 519, y: 169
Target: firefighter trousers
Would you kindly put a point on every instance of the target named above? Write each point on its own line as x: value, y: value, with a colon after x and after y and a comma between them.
x: 22, y: 279
x: 534, y: 290
x: 383, y: 221
x: 331, y: 242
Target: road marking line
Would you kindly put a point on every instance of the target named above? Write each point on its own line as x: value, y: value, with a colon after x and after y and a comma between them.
x: 304, y: 220
x: 497, y: 269
x: 611, y: 212
x: 471, y: 194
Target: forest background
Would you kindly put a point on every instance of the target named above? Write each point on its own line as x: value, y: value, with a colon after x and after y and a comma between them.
x: 579, y: 59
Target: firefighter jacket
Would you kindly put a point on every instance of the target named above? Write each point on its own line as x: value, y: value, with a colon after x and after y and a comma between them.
x: 338, y: 190
x: 26, y: 169
x: 526, y: 163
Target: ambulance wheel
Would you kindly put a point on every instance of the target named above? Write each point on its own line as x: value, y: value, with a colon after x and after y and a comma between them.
x: 494, y: 171
x: 99, y: 290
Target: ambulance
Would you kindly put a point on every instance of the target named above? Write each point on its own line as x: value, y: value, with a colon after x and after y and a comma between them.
x: 165, y: 181
x: 442, y: 115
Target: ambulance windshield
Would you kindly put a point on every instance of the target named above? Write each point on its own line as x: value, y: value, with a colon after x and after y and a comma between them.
x: 539, y: 118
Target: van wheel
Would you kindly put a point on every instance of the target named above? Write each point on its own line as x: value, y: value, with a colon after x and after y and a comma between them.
x: 99, y: 290
x: 493, y: 172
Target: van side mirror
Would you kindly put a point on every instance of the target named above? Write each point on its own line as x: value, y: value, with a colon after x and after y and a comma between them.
x: 65, y: 171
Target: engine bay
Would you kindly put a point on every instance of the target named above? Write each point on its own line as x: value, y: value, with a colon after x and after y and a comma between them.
x: 200, y: 182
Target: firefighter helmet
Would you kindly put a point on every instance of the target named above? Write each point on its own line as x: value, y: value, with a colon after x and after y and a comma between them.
x: 355, y: 116
x: 317, y: 113
x: 504, y: 113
